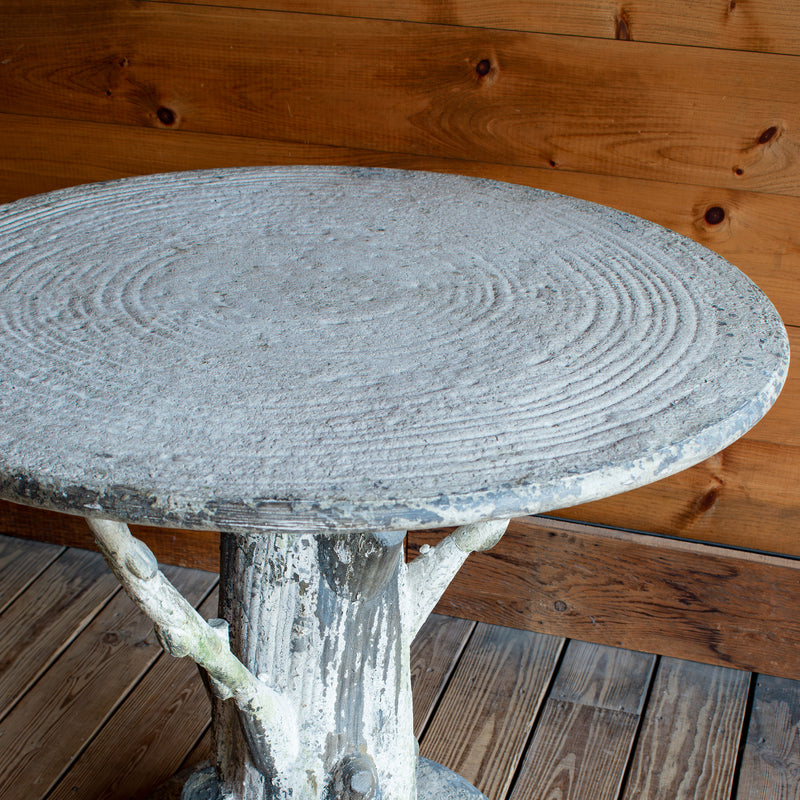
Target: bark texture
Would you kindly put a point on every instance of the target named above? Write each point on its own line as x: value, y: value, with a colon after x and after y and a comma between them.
x: 320, y: 620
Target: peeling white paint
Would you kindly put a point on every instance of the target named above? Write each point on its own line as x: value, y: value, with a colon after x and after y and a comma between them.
x: 324, y: 693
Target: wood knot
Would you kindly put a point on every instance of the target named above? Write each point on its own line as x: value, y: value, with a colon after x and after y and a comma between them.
x: 355, y: 778
x: 768, y: 135
x: 483, y: 67
x: 141, y: 561
x: 166, y: 116
x: 623, y: 29
x: 708, y: 500
x: 714, y: 215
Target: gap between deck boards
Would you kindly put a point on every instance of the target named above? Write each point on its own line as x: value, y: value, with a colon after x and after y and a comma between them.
x: 92, y: 709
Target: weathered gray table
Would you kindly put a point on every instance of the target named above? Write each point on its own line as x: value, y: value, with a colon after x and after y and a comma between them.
x: 314, y: 361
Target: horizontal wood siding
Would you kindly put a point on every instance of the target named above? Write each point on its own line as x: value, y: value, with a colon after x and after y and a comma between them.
x: 759, y: 25
x: 573, y: 103
x: 758, y: 232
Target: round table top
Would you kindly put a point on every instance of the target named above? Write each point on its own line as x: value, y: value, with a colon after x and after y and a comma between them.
x: 311, y: 348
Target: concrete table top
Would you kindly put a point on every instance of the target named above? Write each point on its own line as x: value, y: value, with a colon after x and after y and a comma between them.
x: 312, y: 349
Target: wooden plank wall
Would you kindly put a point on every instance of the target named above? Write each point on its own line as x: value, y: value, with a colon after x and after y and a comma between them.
x: 685, y: 113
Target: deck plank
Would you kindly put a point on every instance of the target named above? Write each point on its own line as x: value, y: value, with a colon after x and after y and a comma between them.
x: 488, y: 710
x: 434, y: 654
x: 161, y: 721
x: 202, y: 750
x: 771, y: 762
x: 50, y: 726
x: 111, y: 717
x: 47, y: 616
x: 20, y: 567
x: 688, y: 744
x: 165, y: 719
x: 583, y: 740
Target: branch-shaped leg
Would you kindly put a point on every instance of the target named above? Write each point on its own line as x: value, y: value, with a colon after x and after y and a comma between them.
x: 183, y: 632
x: 435, y: 567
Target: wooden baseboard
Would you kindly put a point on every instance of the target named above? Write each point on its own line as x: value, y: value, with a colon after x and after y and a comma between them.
x: 693, y: 601
x: 194, y: 549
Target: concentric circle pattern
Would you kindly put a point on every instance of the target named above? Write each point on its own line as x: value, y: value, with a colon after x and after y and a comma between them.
x: 335, y: 348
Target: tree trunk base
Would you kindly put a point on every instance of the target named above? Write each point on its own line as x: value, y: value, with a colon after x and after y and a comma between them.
x: 308, y: 663
x: 434, y: 782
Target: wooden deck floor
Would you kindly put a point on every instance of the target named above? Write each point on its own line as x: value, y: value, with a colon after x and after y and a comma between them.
x: 90, y: 708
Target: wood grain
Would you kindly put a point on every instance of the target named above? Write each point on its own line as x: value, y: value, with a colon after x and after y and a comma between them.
x: 47, y: 729
x: 754, y: 25
x: 744, y: 497
x: 492, y: 701
x: 167, y: 713
x: 202, y: 751
x: 687, y: 748
x: 758, y: 232
x: 671, y: 597
x: 18, y: 571
x: 771, y: 761
x: 160, y: 721
x: 769, y: 770
x: 780, y: 426
x: 47, y: 616
x: 603, y: 677
x: 583, y: 740
x: 574, y: 103
x: 195, y: 549
x: 434, y: 654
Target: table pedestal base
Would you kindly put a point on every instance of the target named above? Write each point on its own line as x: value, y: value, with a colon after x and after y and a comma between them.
x: 308, y: 663
x: 434, y: 782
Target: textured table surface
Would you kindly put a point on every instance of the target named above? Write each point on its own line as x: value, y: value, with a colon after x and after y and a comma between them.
x: 318, y: 348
